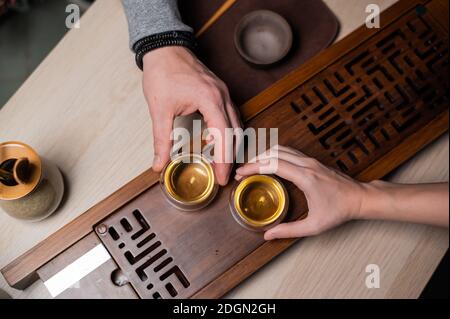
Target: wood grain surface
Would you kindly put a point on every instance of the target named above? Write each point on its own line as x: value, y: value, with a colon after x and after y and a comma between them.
x: 98, y: 106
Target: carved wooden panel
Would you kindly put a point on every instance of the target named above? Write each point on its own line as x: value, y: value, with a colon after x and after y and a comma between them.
x: 166, y: 253
x: 141, y: 255
x: 372, y: 98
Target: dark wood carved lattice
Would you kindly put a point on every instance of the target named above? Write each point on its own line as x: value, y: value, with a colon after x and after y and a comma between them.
x: 140, y: 253
x: 372, y: 98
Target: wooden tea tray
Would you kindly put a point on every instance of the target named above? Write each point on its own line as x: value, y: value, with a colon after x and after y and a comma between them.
x: 363, y: 106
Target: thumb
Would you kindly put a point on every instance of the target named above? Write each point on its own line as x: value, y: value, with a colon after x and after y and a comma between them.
x: 162, y: 129
x: 300, y: 228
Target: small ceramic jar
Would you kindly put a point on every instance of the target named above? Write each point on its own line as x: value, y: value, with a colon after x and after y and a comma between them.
x: 188, y: 182
x: 259, y: 202
x: 31, y: 187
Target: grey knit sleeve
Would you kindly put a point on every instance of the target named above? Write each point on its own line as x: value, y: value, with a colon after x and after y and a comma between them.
x: 148, y: 17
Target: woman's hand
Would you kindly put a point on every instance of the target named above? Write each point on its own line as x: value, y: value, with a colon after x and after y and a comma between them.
x: 333, y: 198
x: 176, y: 83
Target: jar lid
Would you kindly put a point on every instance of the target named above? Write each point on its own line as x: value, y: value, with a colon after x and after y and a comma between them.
x: 21, y: 169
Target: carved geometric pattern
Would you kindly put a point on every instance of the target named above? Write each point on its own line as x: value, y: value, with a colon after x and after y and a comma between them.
x: 142, y: 257
x: 374, y: 95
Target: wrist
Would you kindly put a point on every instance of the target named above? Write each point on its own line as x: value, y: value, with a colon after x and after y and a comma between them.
x: 165, y: 53
x: 375, y: 199
x: 162, y: 40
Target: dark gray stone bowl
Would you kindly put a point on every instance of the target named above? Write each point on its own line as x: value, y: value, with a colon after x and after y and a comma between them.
x: 263, y: 37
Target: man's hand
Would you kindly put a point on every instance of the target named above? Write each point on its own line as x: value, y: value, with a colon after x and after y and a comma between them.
x: 333, y: 198
x: 176, y: 83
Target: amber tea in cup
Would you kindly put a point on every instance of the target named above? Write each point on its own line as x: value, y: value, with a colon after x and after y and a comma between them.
x: 188, y: 182
x: 259, y: 202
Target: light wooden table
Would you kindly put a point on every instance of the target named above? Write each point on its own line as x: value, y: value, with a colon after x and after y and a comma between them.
x: 84, y: 108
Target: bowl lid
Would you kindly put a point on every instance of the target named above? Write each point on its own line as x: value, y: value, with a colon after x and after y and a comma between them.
x: 22, y: 170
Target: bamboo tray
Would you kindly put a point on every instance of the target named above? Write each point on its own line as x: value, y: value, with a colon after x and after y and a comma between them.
x: 363, y: 106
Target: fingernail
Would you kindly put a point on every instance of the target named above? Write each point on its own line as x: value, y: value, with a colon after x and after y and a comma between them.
x: 237, y: 177
x: 268, y: 236
x: 156, y: 161
x: 225, y: 180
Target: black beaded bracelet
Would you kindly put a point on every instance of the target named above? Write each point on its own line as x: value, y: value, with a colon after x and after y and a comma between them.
x: 171, y: 38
